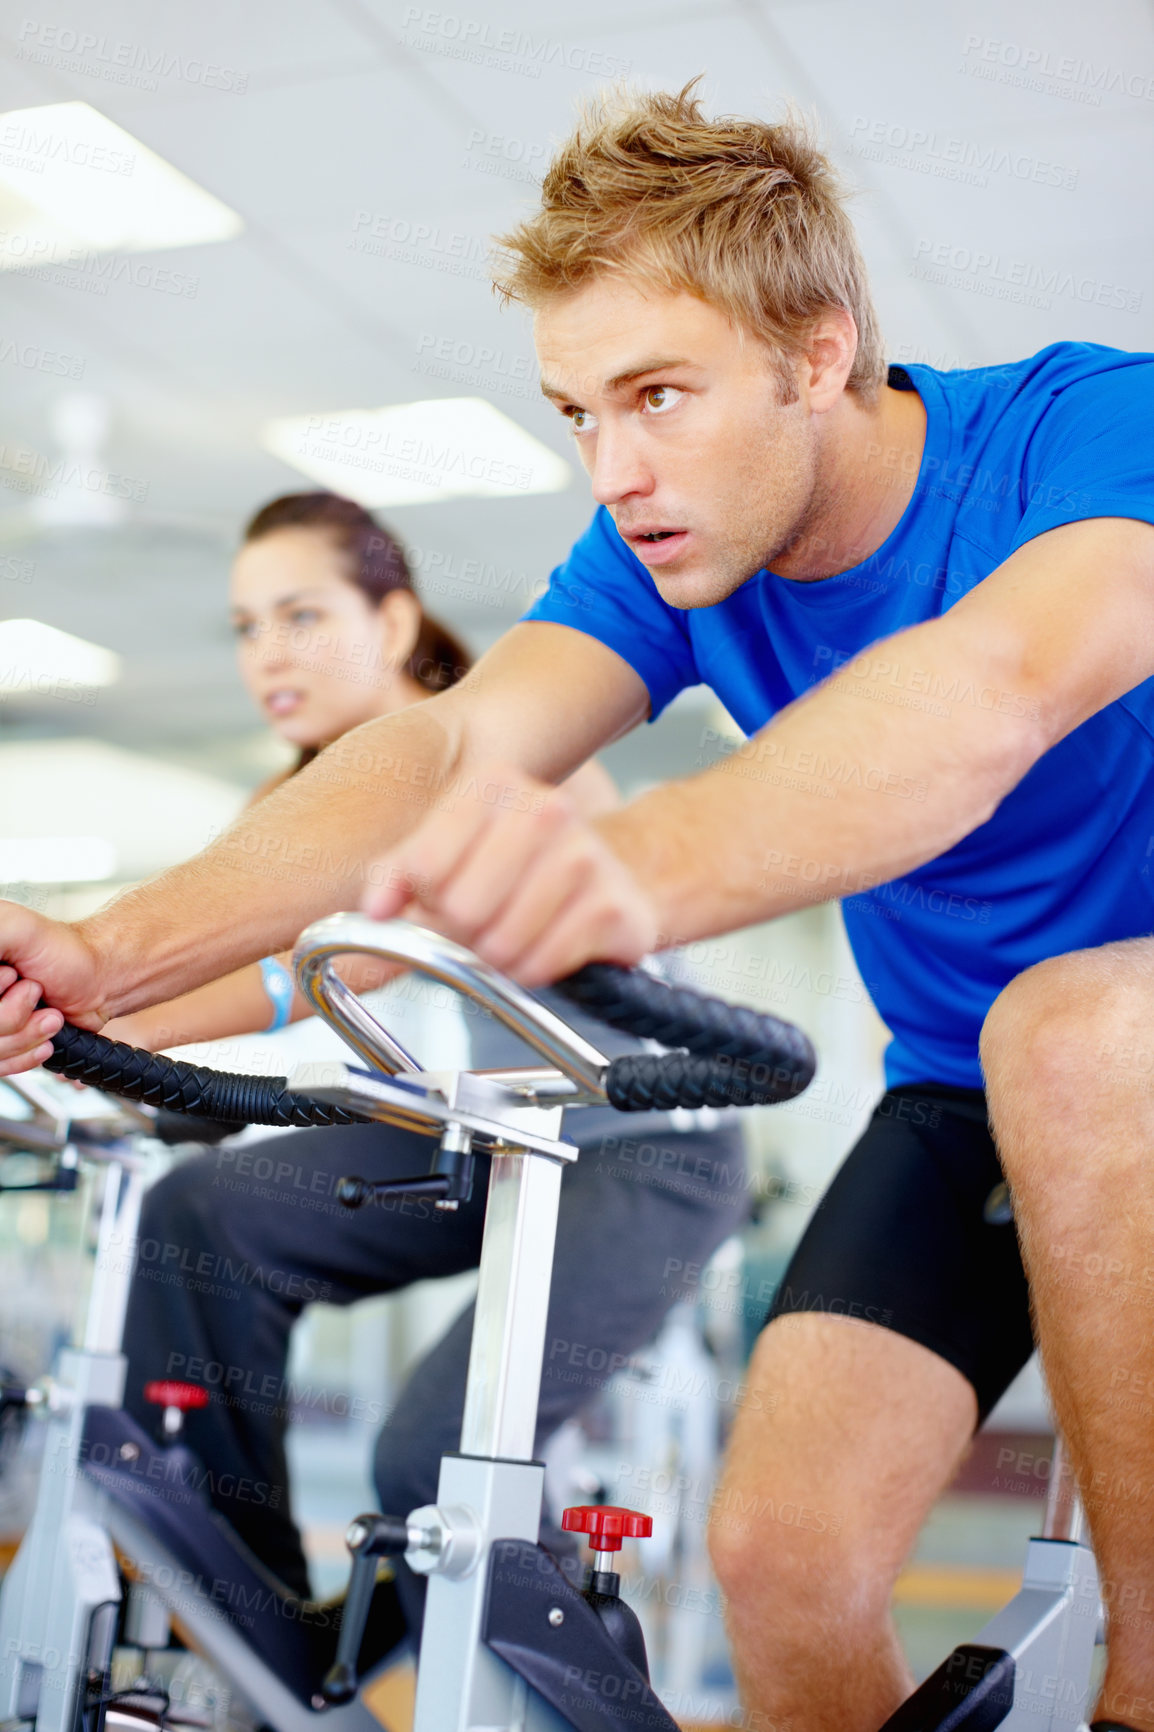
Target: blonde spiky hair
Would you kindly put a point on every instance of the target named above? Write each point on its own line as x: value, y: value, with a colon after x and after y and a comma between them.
x: 748, y: 216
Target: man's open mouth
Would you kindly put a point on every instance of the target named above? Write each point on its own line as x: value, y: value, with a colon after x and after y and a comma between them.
x: 656, y: 546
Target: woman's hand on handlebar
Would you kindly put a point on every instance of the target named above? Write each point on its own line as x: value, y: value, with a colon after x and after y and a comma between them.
x: 41, y: 958
x: 514, y: 873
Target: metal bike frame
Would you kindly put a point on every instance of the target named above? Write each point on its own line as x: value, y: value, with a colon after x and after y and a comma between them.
x: 60, y: 1599
x: 1051, y: 1625
x: 492, y: 1489
x: 489, y: 1491
x: 59, y: 1602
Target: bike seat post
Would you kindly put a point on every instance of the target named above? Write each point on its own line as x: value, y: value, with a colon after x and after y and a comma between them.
x: 490, y: 1491
x: 1065, y: 1518
x: 504, y: 1377
x: 515, y: 1275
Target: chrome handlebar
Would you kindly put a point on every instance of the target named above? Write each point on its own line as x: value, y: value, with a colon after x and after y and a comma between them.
x: 441, y: 959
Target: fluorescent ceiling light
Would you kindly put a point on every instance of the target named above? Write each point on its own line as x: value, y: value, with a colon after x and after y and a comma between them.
x: 148, y: 812
x: 56, y: 860
x: 37, y: 658
x: 73, y: 182
x: 418, y: 453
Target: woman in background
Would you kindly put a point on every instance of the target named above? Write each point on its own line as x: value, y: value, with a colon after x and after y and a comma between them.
x: 331, y: 634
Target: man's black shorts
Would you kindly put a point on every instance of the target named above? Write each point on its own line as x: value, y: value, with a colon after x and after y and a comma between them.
x: 915, y: 1234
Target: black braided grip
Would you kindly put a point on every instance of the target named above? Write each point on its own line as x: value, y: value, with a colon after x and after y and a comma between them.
x: 733, y: 1057
x: 178, y: 1087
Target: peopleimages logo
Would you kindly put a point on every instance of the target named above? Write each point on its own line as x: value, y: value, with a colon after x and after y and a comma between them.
x: 26, y: 147
x: 1001, y: 277
x: 420, y: 458
x: 406, y: 242
x: 1065, y: 75
x: 38, y: 360
x: 115, y: 61
x: 507, y: 49
x: 924, y: 150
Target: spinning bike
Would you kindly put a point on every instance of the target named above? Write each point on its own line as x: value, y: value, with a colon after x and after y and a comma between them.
x: 509, y: 1644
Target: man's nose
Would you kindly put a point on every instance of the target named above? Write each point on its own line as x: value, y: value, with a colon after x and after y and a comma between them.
x: 618, y: 468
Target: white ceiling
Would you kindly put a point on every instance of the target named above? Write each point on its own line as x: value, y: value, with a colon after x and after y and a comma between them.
x: 366, y: 106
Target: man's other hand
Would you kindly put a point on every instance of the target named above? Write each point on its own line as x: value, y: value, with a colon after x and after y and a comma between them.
x: 515, y: 874
x: 41, y: 959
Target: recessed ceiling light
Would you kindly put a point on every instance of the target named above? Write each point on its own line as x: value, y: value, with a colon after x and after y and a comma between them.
x: 418, y: 453
x: 37, y: 658
x: 56, y: 860
x: 73, y: 182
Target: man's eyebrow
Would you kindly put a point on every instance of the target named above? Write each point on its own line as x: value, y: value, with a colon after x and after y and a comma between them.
x: 661, y: 364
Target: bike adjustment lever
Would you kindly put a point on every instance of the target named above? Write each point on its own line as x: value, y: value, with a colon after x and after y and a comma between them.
x: 449, y: 1180
x: 369, y: 1537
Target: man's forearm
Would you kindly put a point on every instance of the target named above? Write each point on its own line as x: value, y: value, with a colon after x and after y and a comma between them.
x: 306, y: 850
x: 884, y: 767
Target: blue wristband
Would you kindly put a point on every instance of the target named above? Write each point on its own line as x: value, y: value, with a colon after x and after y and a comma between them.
x: 278, y: 983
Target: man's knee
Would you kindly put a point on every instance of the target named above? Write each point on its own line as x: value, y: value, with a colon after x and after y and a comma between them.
x: 1062, y: 1027
x: 829, y: 1475
x: 779, y: 1534
x: 788, y: 1559
x: 1068, y: 1053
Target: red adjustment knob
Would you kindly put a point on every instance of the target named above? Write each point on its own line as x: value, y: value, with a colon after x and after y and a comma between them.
x: 165, y: 1392
x: 607, y: 1524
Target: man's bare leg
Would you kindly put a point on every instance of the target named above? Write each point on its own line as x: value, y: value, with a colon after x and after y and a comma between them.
x: 1069, y: 1056
x: 846, y: 1436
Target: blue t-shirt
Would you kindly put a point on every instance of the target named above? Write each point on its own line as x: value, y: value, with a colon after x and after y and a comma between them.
x: 1065, y: 861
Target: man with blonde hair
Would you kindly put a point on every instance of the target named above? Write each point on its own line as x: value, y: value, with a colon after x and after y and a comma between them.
x: 926, y: 597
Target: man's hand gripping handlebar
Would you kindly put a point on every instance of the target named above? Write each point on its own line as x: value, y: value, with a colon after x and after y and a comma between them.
x: 740, y: 1057
x: 42, y: 958
x: 726, y: 1056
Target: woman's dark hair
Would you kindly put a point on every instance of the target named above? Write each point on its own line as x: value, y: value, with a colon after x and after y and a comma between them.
x: 377, y: 566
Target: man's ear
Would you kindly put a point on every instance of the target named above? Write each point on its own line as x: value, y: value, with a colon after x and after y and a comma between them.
x: 829, y: 357
x: 400, y: 613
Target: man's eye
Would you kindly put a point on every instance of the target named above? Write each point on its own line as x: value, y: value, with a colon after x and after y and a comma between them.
x: 305, y: 615
x: 659, y: 398
x: 580, y: 420
x: 246, y: 628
